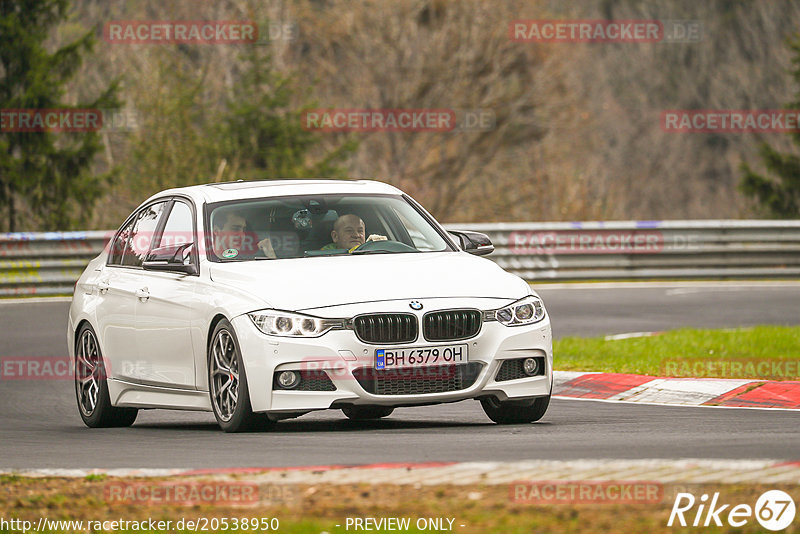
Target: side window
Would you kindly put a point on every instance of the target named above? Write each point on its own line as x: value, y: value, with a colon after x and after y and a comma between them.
x: 179, y: 228
x: 178, y: 231
x: 119, y: 244
x: 133, y: 242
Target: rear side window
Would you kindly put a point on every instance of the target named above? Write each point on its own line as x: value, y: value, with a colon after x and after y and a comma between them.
x: 118, y: 246
x: 133, y: 242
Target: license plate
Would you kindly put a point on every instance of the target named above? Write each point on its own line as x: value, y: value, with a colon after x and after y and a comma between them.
x: 420, y: 356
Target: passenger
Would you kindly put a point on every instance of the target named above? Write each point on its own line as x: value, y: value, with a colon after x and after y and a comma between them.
x: 232, y: 240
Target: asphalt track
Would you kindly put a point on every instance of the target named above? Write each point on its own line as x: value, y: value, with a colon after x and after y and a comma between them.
x: 40, y: 427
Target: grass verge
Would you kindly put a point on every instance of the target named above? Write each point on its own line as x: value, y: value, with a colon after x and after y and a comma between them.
x: 762, y: 352
x: 318, y: 508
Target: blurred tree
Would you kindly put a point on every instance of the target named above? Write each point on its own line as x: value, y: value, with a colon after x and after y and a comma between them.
x: 779, y: 197
x: 262, y: 132
x: 47, y: 173
x: 190, y: 135
x: 176, y: 144
x: 436, y: 55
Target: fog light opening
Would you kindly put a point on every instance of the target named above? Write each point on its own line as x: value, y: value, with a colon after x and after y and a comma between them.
x: 289, y: 379
x: 530, y: 366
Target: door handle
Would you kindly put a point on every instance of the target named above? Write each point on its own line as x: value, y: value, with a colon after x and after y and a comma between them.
x: 143, y: 294
x: 103, y: 286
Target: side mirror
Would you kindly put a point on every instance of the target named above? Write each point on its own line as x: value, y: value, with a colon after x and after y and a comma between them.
x: 473, y: 242
x: 170, y: 259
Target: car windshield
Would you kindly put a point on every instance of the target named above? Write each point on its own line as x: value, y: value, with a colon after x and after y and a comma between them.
x: 318, y: 225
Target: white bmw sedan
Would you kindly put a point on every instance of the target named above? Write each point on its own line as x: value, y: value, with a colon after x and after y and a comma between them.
x: 262, y: 301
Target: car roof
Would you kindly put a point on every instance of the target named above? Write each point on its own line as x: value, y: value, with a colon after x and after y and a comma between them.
x: 244, y: 189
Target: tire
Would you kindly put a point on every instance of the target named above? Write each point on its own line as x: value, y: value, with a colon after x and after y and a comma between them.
x: 227, y: 384
x: 365, y: 413
x: 91, y: 387
x: 515, y: 412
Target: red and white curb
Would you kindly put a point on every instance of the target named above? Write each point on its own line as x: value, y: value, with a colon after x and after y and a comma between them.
x: 745, y: 393
x: 690, y: 471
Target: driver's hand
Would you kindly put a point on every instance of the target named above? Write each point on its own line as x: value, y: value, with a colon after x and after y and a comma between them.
x: 376, y: 237
x: 265, y: 246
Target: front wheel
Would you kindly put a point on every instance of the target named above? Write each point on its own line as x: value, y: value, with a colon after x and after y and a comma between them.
x: 515, y: 412
x: 91, y: 387
x: 365, y: 413
x: 230, y: 396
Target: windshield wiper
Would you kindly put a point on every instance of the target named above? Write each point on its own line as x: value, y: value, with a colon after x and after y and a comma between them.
x: 360, y: 252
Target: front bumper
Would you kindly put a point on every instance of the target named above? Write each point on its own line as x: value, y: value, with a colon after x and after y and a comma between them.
x: 339, y: 354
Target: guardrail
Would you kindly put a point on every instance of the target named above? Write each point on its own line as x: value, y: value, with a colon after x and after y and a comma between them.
x: 46, y: 263
x: 646, y: 249
x: 50, y: 263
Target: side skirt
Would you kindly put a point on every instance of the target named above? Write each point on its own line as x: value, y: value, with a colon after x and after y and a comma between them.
x: 128, y: 395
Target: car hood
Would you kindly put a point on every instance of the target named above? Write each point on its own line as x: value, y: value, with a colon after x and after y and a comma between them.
x: 317, y: 282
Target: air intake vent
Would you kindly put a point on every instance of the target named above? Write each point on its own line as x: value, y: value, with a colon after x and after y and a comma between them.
x: 512, y: 370
x: 311, y: 380
x: 451, y: 325
x: 386, y: 328
x: 418, y: 380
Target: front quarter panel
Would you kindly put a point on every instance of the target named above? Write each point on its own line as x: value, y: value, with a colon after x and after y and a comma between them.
x: 217, y: 300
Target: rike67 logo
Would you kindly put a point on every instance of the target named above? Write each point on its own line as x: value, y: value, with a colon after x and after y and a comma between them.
x: 774, y: 510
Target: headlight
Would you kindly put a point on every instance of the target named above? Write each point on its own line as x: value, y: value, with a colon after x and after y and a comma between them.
x: 288, y: 324
x: 525, y: 311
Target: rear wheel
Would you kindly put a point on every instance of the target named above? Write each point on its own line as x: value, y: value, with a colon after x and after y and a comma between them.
x: 91, y: 387
x: 515, y: 412
x: 230, y: 396
x: 365, y: 413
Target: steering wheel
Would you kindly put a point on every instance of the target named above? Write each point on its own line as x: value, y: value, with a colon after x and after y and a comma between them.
x: 383, y: 246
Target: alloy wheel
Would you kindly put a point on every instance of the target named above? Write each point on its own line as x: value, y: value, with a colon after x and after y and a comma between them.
x: 224, y: 375
x: 88, y: 367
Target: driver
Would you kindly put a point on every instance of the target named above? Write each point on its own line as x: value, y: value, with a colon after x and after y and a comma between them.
x: 348, y: 234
